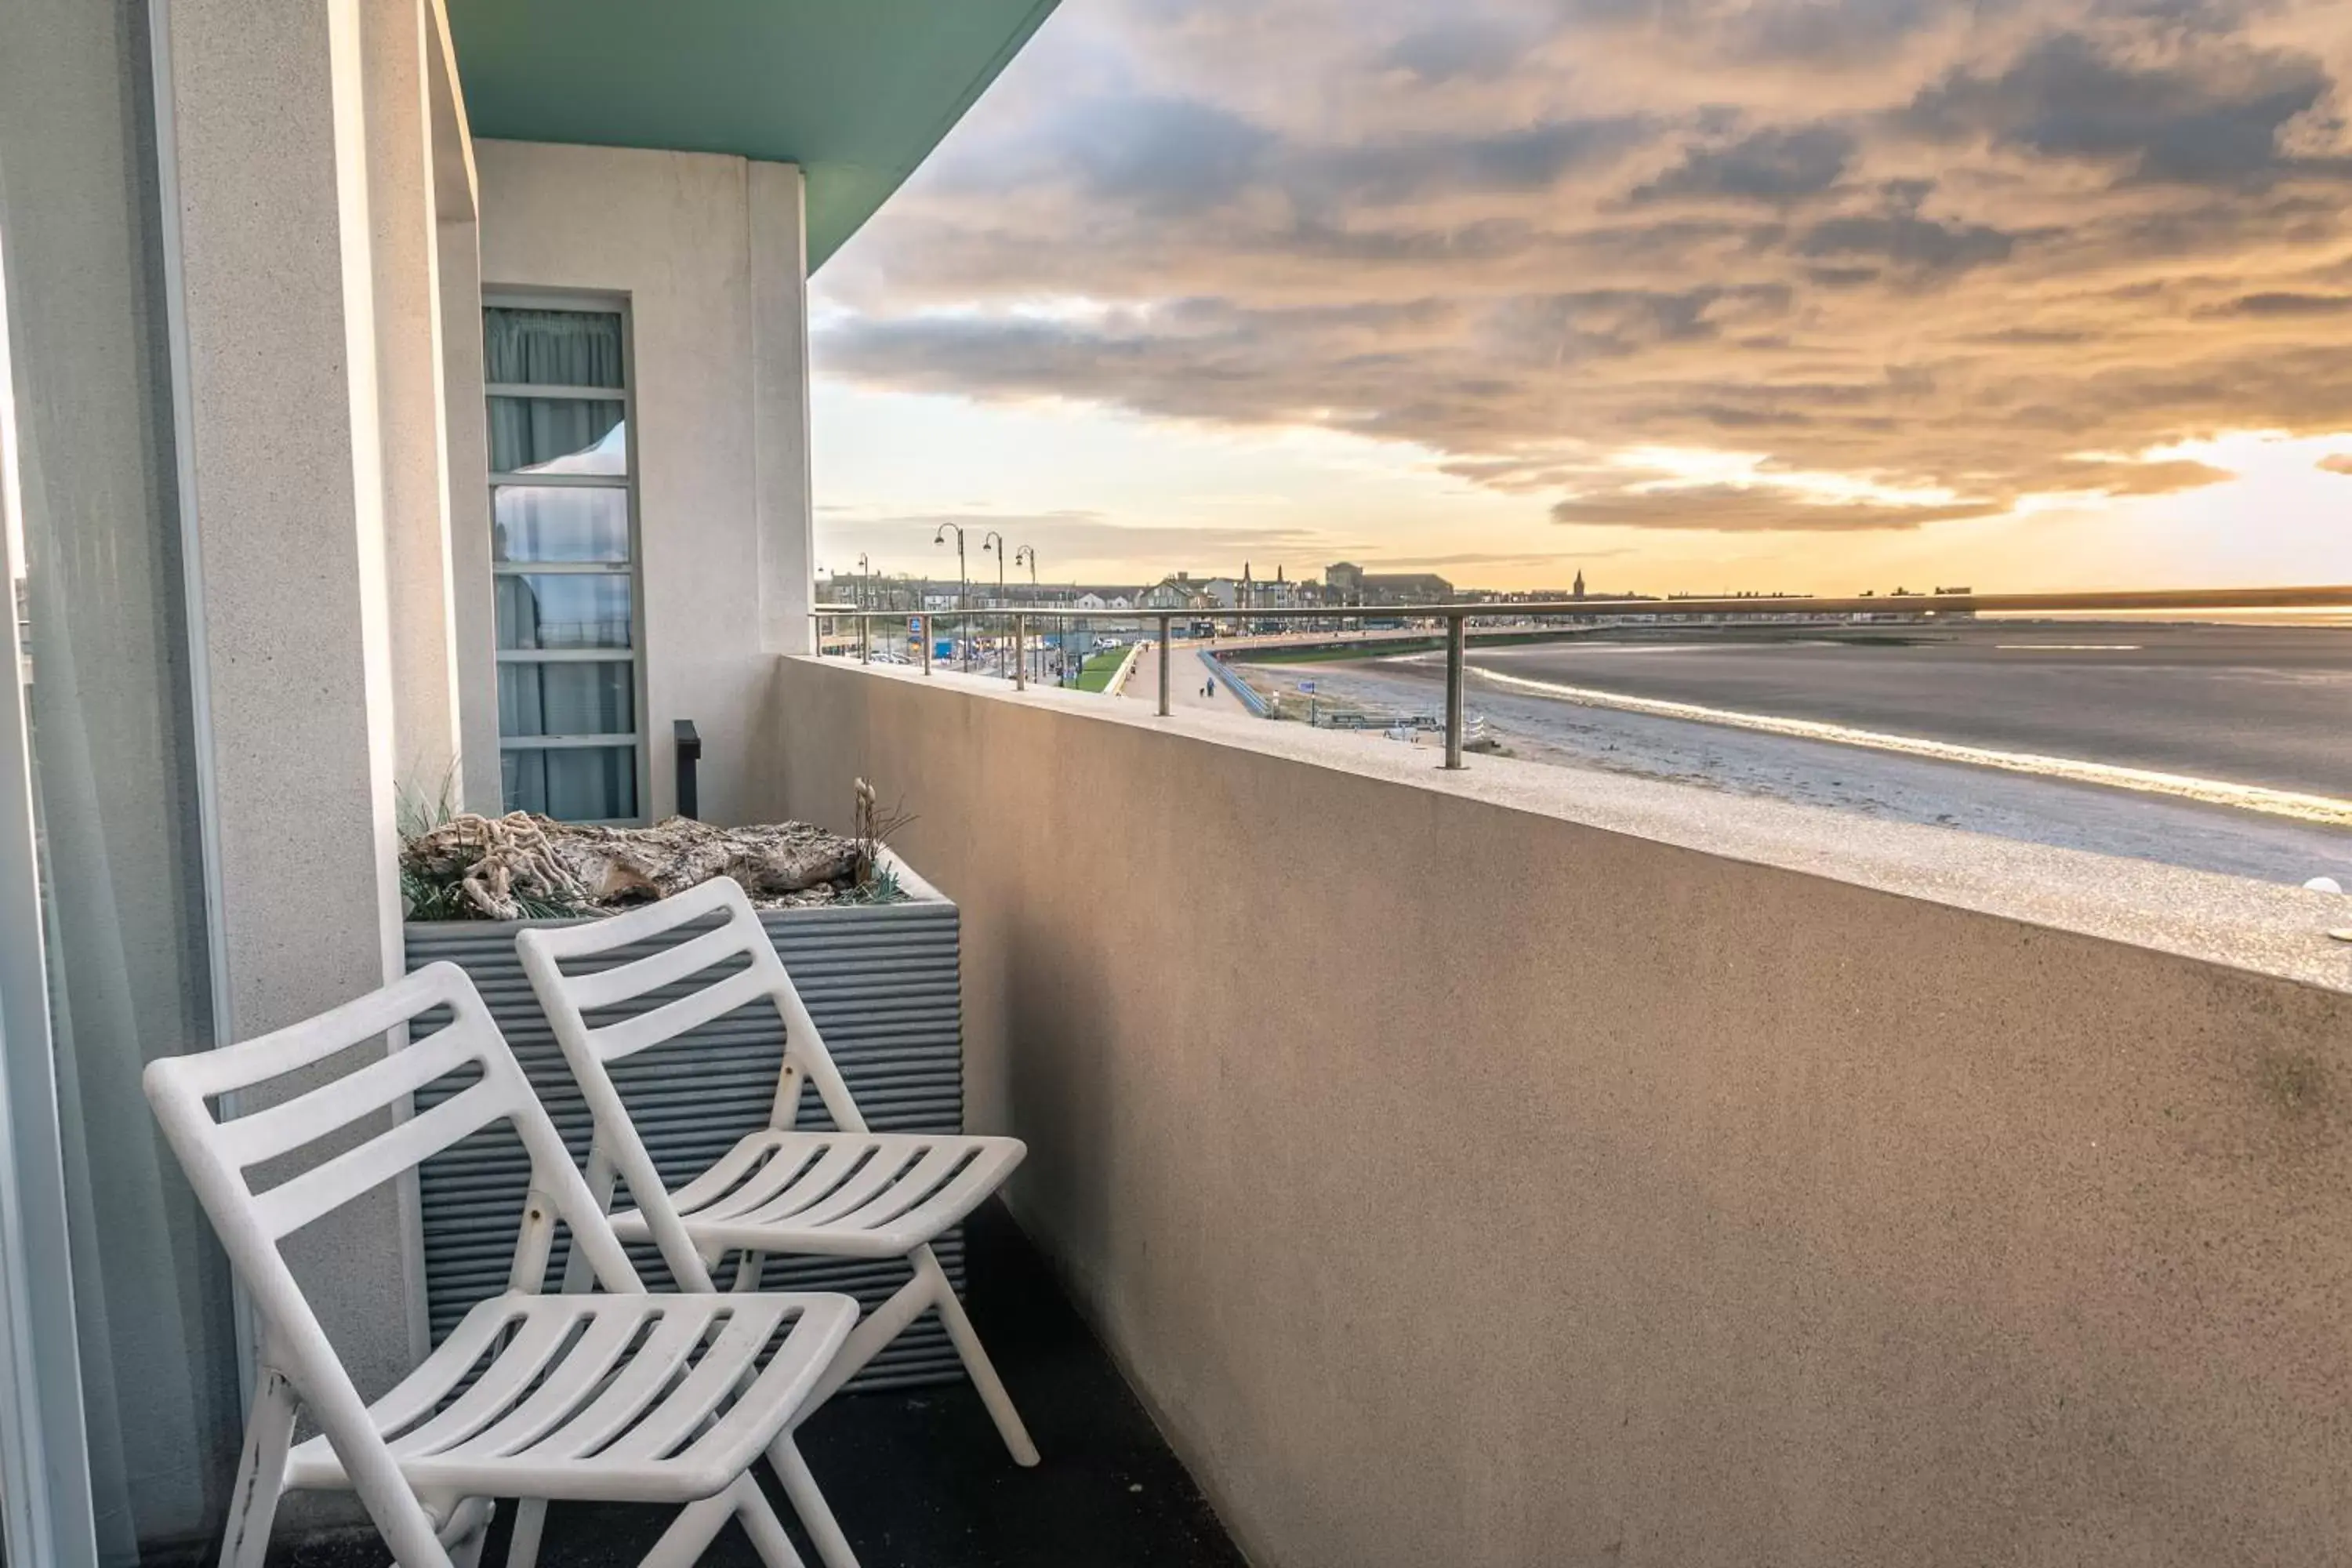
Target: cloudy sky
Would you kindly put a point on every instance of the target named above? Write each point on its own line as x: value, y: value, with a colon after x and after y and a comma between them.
x: 1692, y: 294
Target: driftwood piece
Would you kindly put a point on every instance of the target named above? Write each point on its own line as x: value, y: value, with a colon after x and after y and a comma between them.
x: 498, y: 863
x: 505, y: 867
x: 627, y: 865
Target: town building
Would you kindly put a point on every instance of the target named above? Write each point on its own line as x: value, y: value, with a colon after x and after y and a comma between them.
x: 1180, y: 591
x: 1345, y: 583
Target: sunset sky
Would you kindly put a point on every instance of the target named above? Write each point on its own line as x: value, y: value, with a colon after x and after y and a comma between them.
x: 1814, y: 295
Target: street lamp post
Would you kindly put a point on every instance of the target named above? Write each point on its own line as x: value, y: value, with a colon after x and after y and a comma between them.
x: 964, y: 585
x: 993, y: 542
x: 865, y: 581
x: 1029, y: 552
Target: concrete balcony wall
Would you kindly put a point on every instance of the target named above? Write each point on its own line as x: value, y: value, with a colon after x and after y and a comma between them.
x: 1526, y: 1166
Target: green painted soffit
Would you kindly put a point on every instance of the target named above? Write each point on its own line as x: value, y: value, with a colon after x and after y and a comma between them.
x: 857, y: 93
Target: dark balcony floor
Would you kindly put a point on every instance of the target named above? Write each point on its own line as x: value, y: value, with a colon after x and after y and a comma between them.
x: 920, y: 1480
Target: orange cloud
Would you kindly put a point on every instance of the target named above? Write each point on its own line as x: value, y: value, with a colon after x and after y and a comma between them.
x: 1944, y: 247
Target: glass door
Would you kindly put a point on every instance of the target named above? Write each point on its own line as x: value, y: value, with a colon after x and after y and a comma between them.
x: 121, y: 1395
x: 45, y: 1507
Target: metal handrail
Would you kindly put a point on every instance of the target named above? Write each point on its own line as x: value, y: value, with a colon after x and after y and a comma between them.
x: 1457, y: 618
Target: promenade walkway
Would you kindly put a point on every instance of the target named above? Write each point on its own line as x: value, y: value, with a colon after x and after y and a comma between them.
x: 1186, y: 677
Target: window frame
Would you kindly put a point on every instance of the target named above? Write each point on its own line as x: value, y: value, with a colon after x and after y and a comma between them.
x: 634, y: 655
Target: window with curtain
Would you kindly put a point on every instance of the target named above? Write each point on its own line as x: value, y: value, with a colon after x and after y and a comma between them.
x: 563, y: 555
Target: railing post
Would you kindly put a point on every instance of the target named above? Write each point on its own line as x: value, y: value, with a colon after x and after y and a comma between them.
x: 1456, y: 636
x: 1165, y: 654
x: 1020, y: 651
x: 923, y: 630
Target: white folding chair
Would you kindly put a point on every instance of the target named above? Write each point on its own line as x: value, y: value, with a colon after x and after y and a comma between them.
x: 850, y: 1193
x: 624, y: 1396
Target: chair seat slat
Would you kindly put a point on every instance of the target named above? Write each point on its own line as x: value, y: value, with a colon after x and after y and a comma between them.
x: 812, y: 1184
x: 738, y: 1174
x: 585, y: 1374
x: 617, y: 1416
x: 598, y: 1421
x: 420, y: 1391
x: 668, y: 1423
x: 887, y: 1168
x: 916, y: 1186
x: 525, y: 1357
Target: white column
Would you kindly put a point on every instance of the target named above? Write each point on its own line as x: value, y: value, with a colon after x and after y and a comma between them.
x: 466, y: 454
x: 408, y: 377
x: 780, y: 404
x: 466, y: 435
x: 286, y: 496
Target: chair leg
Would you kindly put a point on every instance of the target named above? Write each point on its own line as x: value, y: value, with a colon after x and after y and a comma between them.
x: 531, y: 1522
x: 975, y: 1360
x: 747, y: 1268
x: 681, y: 1545
x: 878, y: 1328
x: 399, y: 1514
x: 766, y: 1531
x: 929, y: 1288
x: 815, y: 1514
x: 469, y: 1531
x: 260, y: 1472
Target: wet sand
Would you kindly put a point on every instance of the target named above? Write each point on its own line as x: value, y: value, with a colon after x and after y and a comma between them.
x: 2257, y: 705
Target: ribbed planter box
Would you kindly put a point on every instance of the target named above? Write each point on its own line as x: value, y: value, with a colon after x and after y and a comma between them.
x: 883, y: 983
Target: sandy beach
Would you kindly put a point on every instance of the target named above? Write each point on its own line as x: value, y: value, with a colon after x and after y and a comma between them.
x: 2261, y: 707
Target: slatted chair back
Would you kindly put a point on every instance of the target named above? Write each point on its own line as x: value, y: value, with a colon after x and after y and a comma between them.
x: 222, y: 1157
x: 752, y: 973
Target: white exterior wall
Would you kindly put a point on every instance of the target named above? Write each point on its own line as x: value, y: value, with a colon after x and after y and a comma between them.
x: 708, y: 251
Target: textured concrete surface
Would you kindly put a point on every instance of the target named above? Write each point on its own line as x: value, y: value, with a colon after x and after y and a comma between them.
x: 1514, y: 1166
